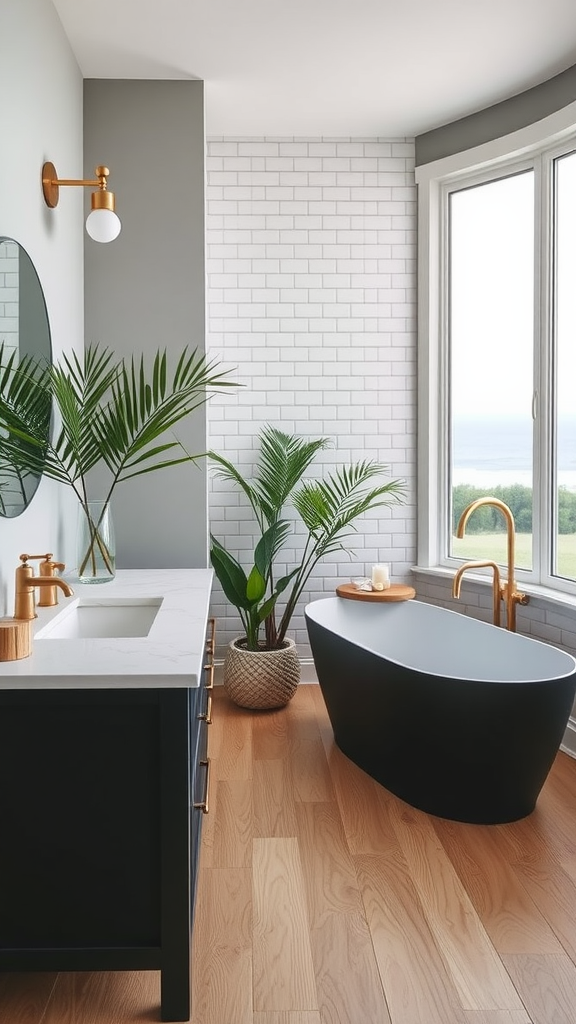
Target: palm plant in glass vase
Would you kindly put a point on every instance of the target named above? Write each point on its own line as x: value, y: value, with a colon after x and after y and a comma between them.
x: 111, y: 414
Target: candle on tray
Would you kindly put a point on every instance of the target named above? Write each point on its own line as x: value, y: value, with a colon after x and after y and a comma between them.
x: 380, y: 577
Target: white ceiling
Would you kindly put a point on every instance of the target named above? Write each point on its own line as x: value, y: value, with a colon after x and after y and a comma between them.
x: 384, y: 68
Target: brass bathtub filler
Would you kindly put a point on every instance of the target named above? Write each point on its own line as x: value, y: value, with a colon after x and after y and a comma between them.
x: 26, y: 583
x: 502, y: 591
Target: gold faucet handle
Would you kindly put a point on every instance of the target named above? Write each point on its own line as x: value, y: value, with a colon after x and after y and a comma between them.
x: 47, y: 566
x: 30, y: 558
x: 48, y: 596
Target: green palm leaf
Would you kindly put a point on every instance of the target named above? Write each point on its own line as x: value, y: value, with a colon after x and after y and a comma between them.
x: 231, y: 575
x: 269, y: 545
x: 330, y: 507
x: 227, y: 471
x: 284, y: 458
x: 138, y: 413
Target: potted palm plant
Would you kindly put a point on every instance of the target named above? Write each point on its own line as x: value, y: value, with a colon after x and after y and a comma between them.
x: 110, y: 413
x: 254, y: 675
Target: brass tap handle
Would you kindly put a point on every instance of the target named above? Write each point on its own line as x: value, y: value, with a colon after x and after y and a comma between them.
x: 48, y: 596
x: 29, y: 558
x: 47, y: 567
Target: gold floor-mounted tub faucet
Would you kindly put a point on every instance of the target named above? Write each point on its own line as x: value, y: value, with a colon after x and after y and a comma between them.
x: 26, y: 583
x: 507, y: 591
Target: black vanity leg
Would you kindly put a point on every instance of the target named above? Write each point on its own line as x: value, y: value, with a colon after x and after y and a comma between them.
x: 175, y: 994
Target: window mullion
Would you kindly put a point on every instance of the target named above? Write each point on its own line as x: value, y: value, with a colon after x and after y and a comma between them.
x: 445, y: 404
x: 543, y: 370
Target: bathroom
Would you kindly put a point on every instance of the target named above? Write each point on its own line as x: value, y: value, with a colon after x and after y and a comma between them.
x: 308, y: 357
x: 319, y: 338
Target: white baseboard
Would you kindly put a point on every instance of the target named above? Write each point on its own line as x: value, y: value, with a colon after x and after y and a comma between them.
x: 568, y: 744
x: 307, y: 671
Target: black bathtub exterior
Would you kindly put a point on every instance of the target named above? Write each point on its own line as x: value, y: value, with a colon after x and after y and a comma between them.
x: 469, y: 751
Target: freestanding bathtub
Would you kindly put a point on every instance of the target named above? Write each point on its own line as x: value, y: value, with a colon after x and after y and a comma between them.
x: 457, y: 717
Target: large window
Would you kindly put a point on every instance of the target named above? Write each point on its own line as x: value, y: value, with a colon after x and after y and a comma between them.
x: 500, y: 360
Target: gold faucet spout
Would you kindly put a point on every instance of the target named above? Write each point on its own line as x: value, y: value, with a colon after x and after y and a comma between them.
x: 53, y: 581
x: 508, y: 591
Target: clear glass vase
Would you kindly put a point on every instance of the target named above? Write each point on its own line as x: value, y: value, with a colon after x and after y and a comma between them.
x: 95, y: 544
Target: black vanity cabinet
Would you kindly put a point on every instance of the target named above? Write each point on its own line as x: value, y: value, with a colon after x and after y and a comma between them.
x: 102, y: 793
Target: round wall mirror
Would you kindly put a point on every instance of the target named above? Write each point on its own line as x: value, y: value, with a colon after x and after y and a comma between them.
x: 24, y: 341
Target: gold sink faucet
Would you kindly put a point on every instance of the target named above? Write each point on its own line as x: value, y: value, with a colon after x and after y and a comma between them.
x: 26, y: 582
x: 507, y: 591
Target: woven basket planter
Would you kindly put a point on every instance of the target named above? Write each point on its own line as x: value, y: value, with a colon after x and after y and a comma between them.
x: 261, y: 679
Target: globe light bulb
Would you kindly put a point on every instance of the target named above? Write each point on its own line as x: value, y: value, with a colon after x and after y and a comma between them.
x: 103, y: 225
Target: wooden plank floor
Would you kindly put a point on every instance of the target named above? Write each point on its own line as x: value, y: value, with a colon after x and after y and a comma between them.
x: 323, y: 899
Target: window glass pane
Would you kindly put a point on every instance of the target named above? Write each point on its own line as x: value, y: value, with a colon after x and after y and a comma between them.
x: 565, y: 376
x: 491, y: 319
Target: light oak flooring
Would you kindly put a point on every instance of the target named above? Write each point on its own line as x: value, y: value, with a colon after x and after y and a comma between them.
x: 323, y: 899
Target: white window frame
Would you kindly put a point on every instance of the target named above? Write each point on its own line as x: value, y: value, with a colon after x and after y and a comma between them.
x: 534, y: 148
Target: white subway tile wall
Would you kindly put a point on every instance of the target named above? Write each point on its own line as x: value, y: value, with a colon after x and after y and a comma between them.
x: 311, y: 263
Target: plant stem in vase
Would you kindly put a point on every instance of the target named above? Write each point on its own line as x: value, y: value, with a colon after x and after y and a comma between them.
x: 96, y: 547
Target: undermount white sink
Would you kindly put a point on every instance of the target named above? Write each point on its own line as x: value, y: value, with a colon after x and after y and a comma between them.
x: 101, y: 618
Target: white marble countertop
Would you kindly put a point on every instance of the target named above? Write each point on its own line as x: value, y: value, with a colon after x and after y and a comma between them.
x: 171, y: 655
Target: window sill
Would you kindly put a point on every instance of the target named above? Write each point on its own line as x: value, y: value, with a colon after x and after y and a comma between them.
x: 543, y: 597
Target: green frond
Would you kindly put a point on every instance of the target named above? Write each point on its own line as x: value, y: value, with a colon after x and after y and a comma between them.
x: 227, y: 471
x: 329, y: 506
x: 283, y: 460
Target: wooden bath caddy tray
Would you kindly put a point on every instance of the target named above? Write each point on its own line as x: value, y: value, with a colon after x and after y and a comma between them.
x: 395, y: 592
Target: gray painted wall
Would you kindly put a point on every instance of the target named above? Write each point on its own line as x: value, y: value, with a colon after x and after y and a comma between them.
x: 501, y: 119
x: 146, y: 290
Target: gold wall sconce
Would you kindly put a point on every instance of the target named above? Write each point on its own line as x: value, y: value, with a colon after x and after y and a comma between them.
x: 102, y: 223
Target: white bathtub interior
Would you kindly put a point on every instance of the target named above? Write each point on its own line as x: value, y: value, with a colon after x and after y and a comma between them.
x: 437, y: 641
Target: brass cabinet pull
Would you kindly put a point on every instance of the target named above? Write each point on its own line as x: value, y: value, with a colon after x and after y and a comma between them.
x: 210, y: 649
x: 207, y: 717
x: 209, y: 668
x: 203, y: 805
x: 210, y: 640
